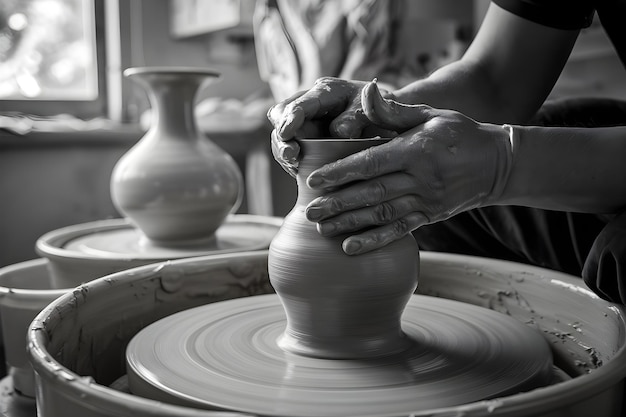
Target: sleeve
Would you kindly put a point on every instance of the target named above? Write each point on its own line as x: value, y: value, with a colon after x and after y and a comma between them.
x: 558, y: 14
x: 604, y: 271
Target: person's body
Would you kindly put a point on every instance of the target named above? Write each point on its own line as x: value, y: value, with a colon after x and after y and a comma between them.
x: 538, y: 192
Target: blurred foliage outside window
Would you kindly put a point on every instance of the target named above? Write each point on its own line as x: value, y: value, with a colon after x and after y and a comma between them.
x: 48, y: 50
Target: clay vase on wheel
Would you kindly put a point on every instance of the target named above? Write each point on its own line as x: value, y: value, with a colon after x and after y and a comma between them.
x: 175, y: 184
x: 338, y: 306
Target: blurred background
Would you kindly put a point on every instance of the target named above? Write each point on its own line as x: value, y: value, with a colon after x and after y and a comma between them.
x: 67, y: 114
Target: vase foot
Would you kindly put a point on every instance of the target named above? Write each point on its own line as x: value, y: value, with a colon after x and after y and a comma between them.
x: 147, y: 244
x: 347, y: 349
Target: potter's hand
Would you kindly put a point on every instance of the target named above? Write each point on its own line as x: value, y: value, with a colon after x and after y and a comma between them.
x: 605, y: 268
x: 332, y: 108
x: 286, y: 153
x: 446, y: 164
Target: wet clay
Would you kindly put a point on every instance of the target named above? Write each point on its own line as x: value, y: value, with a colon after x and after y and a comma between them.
x: 338, y: 306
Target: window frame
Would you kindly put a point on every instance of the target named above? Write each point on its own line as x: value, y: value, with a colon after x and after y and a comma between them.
x: 84, y: 109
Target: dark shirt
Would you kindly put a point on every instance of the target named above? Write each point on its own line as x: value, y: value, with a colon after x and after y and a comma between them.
x: 575, y: 14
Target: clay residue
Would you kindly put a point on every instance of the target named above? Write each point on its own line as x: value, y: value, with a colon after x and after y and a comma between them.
x: 172, y: 278
x: 508, y: 293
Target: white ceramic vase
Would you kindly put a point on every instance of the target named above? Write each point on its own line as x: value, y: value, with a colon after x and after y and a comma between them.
x: 175, y: 184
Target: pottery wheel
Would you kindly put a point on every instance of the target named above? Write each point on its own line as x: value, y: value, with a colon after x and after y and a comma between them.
x: 225, y: 356
x: 118, y: 238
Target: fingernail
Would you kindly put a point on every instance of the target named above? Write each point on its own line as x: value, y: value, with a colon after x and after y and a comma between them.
x: 313, y: 213
x: 351, y: 247
x: 326, y: 228
x: 314, y: 181
x: 344, y: 130
x: 270, y: 114
x: 287, y: 153
x: 285, y: 124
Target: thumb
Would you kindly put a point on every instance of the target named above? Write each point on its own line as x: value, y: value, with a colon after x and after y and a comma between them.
x: 390, y: 114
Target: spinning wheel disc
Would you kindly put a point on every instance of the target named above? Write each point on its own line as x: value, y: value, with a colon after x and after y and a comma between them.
x: 225, y: 356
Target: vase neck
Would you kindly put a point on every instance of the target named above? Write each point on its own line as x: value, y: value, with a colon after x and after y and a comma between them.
x: 172, y: 99
x: 172, y: 103
x: 317, y: 152
x: 306, y: 194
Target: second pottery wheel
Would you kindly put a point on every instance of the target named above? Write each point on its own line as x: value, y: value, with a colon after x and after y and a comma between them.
x: 87, y: 251
x: 225, y: 356
x: 237, y: 234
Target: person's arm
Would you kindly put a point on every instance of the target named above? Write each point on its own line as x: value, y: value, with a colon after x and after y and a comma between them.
x: 505, y: 75
x: 569, y: 169
x: 450, y: 163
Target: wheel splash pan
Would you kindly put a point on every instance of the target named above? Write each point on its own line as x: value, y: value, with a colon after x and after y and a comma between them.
x: 77, y: 344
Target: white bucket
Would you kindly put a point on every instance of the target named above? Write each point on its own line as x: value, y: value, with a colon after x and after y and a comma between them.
x: 25, y: 289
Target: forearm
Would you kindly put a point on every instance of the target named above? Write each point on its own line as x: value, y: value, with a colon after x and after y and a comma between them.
x: 459, y: 86
x: 504, y: 76
x: 468, y: 87
x: 568, y: 169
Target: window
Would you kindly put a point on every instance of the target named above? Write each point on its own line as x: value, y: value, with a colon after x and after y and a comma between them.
x: 52, y: 57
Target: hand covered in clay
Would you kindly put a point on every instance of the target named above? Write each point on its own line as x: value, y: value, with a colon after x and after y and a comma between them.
x: 445, y: 164
x: 331, y: 108
x: 605, y: 267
